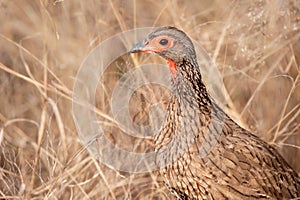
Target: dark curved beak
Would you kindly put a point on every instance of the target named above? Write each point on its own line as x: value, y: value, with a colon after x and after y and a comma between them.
x: 140, y: 47
x: 137, y: 47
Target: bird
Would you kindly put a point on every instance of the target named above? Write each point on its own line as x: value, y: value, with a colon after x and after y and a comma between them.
x: 201, y: 153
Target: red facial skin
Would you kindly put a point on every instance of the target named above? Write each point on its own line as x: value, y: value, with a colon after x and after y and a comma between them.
x: 173, y: 68
x: 154, y: 46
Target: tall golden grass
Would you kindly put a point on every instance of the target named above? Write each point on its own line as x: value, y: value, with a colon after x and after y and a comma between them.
x: 255, y: 44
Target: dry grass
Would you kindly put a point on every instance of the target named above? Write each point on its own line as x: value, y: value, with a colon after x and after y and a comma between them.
x: 254, y: 43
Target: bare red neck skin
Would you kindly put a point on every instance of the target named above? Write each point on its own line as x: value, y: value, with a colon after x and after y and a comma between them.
x: 172, y: 67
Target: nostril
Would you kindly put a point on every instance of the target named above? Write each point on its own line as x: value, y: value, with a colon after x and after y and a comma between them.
x: 146, y: 43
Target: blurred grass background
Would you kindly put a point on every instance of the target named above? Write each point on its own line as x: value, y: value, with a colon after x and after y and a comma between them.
x: 254, y: 43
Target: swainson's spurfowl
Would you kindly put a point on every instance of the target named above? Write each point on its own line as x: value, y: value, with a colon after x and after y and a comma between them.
x: 201, y: 152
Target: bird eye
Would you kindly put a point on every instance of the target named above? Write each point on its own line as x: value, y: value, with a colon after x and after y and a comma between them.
x: 163, y: 41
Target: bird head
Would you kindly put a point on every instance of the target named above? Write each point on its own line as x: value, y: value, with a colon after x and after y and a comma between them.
x: 168, y: 42
x: 177, y: 48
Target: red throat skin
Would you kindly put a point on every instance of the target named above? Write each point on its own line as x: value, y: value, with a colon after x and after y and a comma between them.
x: 173, y: 68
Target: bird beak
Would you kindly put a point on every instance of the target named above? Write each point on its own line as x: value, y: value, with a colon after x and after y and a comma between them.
x: 141, y: 47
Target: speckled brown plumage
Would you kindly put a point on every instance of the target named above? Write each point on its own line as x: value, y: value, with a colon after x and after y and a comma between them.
x: 201, y: 152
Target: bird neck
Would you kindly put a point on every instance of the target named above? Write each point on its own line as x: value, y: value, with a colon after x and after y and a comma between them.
x: 192, y: 115
x: 187, y: 83
x: 192, y: 118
